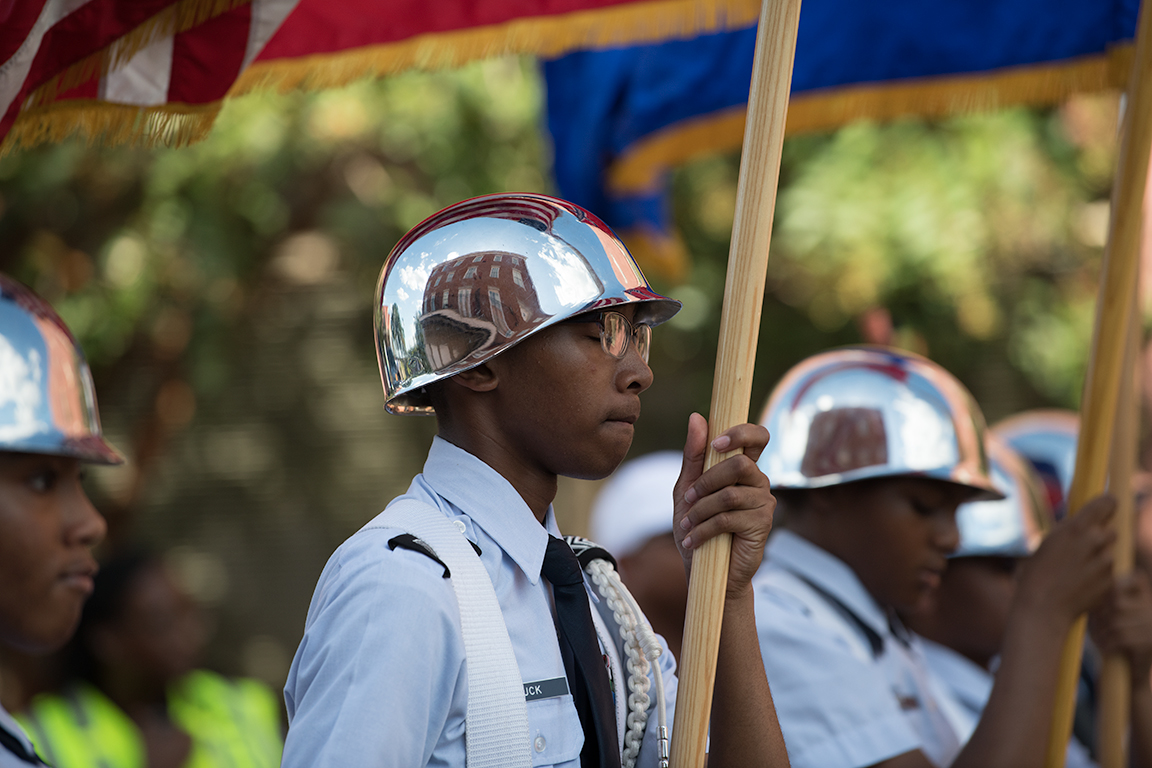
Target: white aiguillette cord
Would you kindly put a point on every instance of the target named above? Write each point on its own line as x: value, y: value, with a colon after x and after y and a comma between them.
x: 496, y: 729
x: 640, y: 643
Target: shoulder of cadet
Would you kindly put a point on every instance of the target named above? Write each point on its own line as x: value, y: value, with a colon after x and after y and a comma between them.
x: 387, y: 558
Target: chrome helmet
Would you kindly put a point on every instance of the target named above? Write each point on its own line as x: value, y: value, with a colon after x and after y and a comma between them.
x: 1047, y: 438
x: 1012, y: 526
x: 483, y: 275
x: 47, y: 401
x: 863, y: 412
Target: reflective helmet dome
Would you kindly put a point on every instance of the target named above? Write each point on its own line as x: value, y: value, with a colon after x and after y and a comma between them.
x: 47, y: 401
x: 483, y: 275
x: 1047, y: 438
x: 1009, y: 527
x: 863, y: 412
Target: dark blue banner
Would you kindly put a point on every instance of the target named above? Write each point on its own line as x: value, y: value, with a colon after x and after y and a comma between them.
x: 621, y: 118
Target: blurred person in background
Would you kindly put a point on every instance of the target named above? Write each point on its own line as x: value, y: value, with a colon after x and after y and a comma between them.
x: 1001, y: 567
x: 632, y: 519
x: 134, y: 697
x: 872, y: 451
x: 49, y: 428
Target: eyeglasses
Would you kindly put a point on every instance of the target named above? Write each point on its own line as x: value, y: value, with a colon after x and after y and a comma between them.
x: 616, y: 332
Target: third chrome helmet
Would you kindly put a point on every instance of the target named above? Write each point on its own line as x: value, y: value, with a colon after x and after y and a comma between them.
x: 1008, y: 527
x: 865, y: 412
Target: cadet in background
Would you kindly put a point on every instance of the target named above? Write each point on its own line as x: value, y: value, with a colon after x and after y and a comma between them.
x: 49, y: 428
x: 872, y: 451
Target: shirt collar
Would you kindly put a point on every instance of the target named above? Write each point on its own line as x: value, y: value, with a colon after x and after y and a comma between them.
x: 491, y: 503
x: 794, y: 553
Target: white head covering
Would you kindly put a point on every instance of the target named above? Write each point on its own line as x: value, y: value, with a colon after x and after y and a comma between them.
x: 636, y: 503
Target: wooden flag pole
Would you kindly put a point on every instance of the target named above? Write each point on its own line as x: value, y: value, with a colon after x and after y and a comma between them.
x: 1114, y: 307
x: 1115, y: 680
x: 736, y: 355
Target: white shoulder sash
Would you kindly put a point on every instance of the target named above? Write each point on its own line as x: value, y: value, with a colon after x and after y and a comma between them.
x: 496, y: 731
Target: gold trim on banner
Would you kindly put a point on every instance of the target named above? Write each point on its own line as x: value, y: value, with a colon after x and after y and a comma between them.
x: 640, y: 168
x: 169, y: 125
x: 545, y: 36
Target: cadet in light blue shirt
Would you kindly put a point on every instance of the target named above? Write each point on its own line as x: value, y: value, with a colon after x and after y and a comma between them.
x: 850, y: 682
x: 872, y: 452
x: 524, y: 325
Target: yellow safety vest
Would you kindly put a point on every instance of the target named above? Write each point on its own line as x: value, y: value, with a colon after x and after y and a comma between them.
x: 233, y: 724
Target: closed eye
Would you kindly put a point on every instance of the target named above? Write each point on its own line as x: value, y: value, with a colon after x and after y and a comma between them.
x: 922, y: 509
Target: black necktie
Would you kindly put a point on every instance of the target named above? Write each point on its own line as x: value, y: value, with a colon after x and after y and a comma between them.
x: 583, y: 662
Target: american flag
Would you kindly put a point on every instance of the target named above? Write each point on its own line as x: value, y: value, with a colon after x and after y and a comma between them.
x: 156, y: 71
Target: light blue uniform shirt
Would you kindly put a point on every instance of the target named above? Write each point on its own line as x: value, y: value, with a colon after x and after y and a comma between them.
x: 379, y: 677
x: 848, y: 691
x: 964, y: 688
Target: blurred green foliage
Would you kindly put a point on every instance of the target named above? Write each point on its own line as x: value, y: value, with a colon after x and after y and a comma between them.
x: 980, y: 235
x: 223, y: 293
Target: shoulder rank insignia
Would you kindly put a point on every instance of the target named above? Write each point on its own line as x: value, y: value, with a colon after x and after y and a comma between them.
x: 408, y: 541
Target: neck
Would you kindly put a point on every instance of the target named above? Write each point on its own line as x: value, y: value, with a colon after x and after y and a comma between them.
x: 537, y: 487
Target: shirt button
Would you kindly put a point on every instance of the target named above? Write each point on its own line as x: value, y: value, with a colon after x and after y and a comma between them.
x: 460, y: 526
x: 539, y: 744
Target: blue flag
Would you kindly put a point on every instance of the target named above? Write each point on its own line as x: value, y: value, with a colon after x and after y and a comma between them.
x: 621, y: 118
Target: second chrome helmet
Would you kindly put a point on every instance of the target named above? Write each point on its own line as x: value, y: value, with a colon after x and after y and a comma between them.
x: 483, y: 275
x: 865, y: 412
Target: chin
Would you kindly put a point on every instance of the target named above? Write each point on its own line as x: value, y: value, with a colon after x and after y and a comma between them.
x: 595, y: 470
x: 921, y: 604
x: 42, y: 640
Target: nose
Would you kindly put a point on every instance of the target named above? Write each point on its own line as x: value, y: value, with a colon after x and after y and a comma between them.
x: 634, y: 374
x: 85, y: 525
x: 946, y: 534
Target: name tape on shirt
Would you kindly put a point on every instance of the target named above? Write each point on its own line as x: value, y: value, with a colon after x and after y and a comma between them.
x: 546, y: 689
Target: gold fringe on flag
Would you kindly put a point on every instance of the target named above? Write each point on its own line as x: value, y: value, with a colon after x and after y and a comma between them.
x: 545, y: 36
x: 640, y: 168
x: 169, y: 125
x: 174, y: 19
